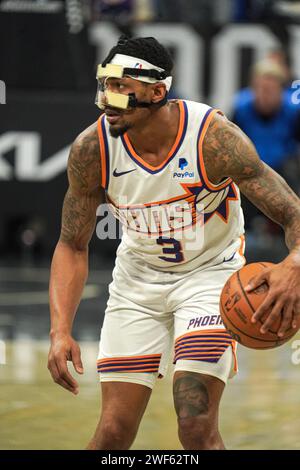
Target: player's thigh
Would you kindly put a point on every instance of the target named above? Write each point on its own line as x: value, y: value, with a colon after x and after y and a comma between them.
x: 197, y: 398
x: 124, y: 399
x: 137, y: 334
x: 134, y: 347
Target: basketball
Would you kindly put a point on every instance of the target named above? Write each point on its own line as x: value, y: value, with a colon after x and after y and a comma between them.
x: 238, y: 306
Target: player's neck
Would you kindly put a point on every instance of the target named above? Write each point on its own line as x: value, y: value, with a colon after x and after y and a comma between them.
x: 157, y: 132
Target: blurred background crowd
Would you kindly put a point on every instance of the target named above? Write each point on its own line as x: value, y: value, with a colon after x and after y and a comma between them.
x: 193, y: 11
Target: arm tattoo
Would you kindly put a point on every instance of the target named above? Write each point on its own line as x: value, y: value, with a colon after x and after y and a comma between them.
x: 190, y: 396
x: 84, y: 193
x: 228, y: 152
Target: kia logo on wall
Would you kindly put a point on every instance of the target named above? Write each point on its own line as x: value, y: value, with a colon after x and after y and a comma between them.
x: 27, y: 165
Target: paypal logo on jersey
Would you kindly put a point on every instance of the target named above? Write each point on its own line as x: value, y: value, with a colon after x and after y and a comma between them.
x: 182, y: 163
x: 183, y: 174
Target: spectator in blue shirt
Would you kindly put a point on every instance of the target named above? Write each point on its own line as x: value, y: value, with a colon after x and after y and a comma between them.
x: 279, y: 56
x: 268, y: 116
x: 265, y: 113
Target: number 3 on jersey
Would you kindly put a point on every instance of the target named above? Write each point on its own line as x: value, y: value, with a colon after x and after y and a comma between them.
x: 176, y: 249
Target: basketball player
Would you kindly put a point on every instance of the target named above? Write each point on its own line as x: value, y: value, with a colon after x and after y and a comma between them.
x: 171, y: 170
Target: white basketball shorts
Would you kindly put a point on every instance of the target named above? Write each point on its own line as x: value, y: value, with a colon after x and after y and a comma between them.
x: 151, y: 315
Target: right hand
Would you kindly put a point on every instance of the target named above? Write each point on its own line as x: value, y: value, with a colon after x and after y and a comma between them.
x: 64, y: 348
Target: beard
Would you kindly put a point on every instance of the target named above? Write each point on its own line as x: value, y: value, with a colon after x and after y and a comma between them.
x: 118, y: 131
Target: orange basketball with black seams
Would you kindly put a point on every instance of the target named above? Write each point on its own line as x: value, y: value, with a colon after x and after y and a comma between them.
x: 237, y: 308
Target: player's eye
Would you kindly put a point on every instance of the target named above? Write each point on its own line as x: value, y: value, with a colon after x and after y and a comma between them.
x: 106, y: 84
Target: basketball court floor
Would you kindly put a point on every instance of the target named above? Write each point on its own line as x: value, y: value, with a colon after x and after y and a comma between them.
x: 260, y: 408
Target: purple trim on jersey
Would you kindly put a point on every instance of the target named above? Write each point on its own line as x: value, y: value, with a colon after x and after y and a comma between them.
x: 128, y: 368
x: 147, y: 362
x: 216, y: 359
x: 199, y: 350
x: 106, y: 151
x: 212, y: 337
x: 208, y: 112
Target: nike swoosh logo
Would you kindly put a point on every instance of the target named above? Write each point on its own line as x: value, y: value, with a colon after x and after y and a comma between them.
x: 231, y: 258
x: 115, y: 173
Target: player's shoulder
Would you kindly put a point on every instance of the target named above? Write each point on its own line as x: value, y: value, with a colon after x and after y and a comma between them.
x: 196, y: 106
x: 87, y: 139
x: 196, y: 113
x: 85, y: 147
x: 84, y: 164
x: 85, y: 153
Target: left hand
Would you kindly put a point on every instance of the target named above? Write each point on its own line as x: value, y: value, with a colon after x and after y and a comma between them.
x: 283, y: 296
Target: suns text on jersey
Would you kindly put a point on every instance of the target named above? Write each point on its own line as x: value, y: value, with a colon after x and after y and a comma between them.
x: 159, y: 219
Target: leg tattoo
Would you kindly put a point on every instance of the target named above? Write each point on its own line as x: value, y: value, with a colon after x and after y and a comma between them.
x: 190, y: 396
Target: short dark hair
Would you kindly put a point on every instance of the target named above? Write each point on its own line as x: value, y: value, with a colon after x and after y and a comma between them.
x: 148, y: 49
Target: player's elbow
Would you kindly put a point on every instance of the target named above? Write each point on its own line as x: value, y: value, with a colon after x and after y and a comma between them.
x: 72, y: 245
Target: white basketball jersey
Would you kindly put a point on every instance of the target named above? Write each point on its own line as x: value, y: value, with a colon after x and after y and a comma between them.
x: 173, y: 218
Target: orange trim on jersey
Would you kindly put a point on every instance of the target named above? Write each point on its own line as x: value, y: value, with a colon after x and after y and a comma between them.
x: 233, y: 343
x: 146, y: 363
x: 163, y: 201
x: 215, y: 332
x: 170, y: 154
x: 103, y: 155
x: 207, y: 341
x: 242, y: 248
x: 234, y: 349
x: 202, y: 350
x: 180, y: 346
x: 129, y: 363
x: 125, y: 369
x: 130, y: 358
x: 201, y: 160
x: 204, y: 354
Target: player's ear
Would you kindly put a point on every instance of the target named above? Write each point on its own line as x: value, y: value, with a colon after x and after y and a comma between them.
x: 159, y: 92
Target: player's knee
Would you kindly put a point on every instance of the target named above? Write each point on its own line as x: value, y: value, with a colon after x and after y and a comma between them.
x: 198, y: 433
x: 116, y: 433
